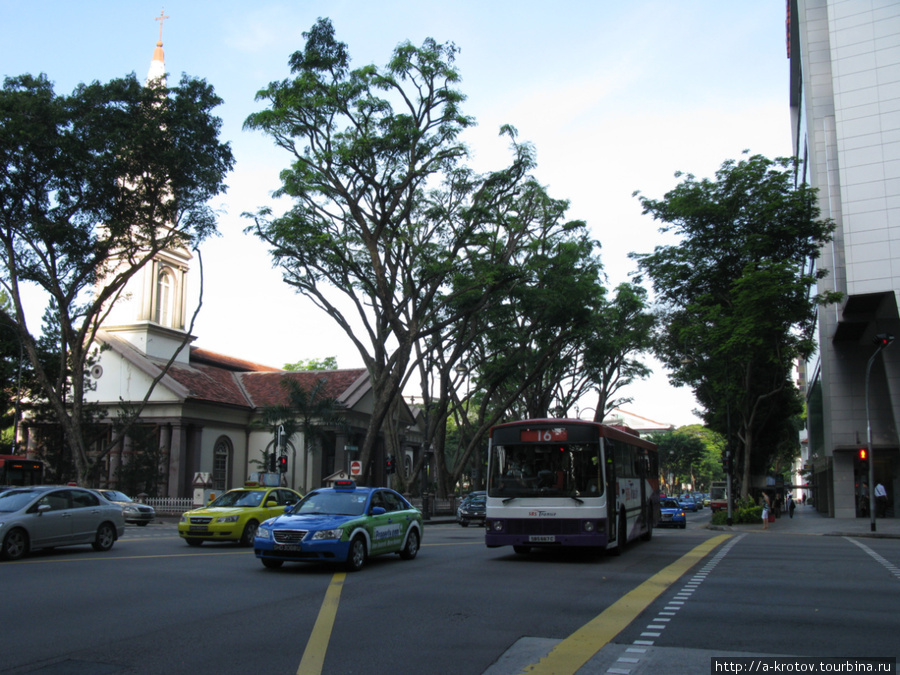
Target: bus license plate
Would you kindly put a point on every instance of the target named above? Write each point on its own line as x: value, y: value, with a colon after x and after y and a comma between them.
x: 542, y: 538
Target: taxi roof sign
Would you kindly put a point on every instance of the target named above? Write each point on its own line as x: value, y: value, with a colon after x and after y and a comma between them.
x: 344, y: 485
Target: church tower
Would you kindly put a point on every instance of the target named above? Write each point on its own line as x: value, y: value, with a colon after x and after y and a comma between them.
x: 151, y: 311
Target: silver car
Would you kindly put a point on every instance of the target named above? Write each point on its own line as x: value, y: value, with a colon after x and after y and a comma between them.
x: 134, y: 512
x: 43, y: 516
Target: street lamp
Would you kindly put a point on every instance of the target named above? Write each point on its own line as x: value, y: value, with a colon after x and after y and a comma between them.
x: 882, y: 340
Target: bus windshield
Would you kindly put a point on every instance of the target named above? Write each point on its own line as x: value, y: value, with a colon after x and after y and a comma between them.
x: 545, y: 470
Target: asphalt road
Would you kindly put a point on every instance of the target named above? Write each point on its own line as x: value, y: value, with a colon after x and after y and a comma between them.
x: 154, y: 605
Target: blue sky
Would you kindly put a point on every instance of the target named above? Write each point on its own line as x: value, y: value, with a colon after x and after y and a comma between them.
x: 615, y: 96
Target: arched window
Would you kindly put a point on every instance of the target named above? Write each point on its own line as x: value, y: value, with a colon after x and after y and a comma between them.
x: 164, y: 297
x: 221, y: 464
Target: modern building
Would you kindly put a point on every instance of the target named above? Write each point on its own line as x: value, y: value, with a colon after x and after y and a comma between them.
x: 845, y: 113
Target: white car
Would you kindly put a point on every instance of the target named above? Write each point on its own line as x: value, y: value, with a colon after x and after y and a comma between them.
x: 42, y: 516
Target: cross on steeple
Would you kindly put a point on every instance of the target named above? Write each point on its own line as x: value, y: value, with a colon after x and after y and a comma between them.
x: 162, y: 16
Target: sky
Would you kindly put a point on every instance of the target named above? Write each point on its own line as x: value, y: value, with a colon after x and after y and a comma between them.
x: 616, y: 97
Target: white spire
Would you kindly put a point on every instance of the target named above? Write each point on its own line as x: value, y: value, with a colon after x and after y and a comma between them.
x: 158, y: 64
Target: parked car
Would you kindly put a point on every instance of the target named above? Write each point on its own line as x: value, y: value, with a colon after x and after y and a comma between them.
x: 139, y: 514
x: 46, y: 516
x: 472, y: 511
x: 344, y: 524
x: 235, y: 515
x: 671, y: 514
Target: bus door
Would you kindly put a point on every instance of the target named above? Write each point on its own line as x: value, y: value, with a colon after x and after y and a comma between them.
x: 612, y: 492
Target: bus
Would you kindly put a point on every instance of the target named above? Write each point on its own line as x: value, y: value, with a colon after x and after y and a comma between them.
x: 16, y: 470
x: 556, y: 483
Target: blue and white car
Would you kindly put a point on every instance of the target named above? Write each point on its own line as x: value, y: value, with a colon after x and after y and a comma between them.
x: 671, y: 514
x: 344, y: 524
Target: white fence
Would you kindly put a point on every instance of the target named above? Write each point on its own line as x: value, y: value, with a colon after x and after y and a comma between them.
x: 170, y: 505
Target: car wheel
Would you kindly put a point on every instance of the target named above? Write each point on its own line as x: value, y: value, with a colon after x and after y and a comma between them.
x: 272, y: 564
x: 142, y: 523
x: 356, y: 556
x: 463, y: 523
x: 412, y: 546
x: 15, y: 544
x: 683, y: 526
x: 522, y: 550
x: 106, y: 537
x: 249, y: 533
x: 191, y: 541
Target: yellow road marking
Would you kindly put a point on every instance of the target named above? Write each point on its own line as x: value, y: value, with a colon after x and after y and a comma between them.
x: 577, y: 649
x: 314, y: 654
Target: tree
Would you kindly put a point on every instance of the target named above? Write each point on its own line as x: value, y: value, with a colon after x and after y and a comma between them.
x: 386, y: 218
x: 737, y: 308
x: 623, y: 330
x: 308, y: 411
x: 328, y: 363
x: 92, y: 186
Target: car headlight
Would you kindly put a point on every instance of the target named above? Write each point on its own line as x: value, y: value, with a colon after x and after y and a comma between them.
x: 263, y: 533
x: 128, y: 508
x: 184, y: 517
x: 328, y: 534
x: 229, y: 519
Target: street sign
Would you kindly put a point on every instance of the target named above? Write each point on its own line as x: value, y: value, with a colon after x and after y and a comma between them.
x: 355, y: 468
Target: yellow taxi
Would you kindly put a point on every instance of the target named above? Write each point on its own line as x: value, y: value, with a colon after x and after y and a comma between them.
x: 235, y: 515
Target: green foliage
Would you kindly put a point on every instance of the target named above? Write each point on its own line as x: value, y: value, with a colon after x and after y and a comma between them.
x: 745, y: 512
x: 327, y: 363
x: 92, y: 186
x: 736, y: 294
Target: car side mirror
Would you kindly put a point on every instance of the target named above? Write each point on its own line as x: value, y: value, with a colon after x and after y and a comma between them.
x: 43, y: 508
x: 271, y: 503
x: 378, y: 510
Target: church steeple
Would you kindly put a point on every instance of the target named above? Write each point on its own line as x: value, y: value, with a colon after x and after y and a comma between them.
x: 158, y: 64
x: 151, y: 311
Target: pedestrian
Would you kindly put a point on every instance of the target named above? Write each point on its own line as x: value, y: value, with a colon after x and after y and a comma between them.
x: 881, y: 500
x: 766, y: 505
x: 790, y: 504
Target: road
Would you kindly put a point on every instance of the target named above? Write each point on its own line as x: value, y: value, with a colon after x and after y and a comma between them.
x: 154, y: 605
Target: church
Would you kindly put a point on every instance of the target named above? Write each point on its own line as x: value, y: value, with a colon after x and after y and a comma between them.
x: 205, y: 411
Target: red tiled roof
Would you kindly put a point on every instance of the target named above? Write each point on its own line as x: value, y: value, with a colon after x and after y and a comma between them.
x: 266, y: 389
x: 228, y: 362
x: 222, y: 379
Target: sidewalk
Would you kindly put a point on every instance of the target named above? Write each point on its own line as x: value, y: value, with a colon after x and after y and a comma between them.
x: 807, y: 520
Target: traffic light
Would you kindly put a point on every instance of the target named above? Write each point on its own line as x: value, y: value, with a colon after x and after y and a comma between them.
x: 389, y: 464
x: 271, y: 462
x: 726, y: 464
x: 863, y: 456
x: 282, y: 464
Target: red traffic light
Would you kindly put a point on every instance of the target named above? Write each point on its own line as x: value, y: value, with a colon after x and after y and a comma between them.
x: 863, y: 454
x: 282, y: 464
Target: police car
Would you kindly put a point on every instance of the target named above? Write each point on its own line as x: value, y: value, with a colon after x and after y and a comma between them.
x: 344, y: 524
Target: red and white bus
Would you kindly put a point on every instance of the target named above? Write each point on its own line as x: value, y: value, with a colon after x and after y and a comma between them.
x: 16, y: 470
x: 559, y: 482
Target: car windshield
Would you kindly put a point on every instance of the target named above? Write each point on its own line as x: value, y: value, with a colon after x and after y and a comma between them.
x: 333, y: 503
x: 13, y: 500
x: 115, y: 496
x: 239, y: 498
x: 669, y: 504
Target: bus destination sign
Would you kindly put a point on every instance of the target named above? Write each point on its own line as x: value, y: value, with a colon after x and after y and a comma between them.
x: 543, y: 435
